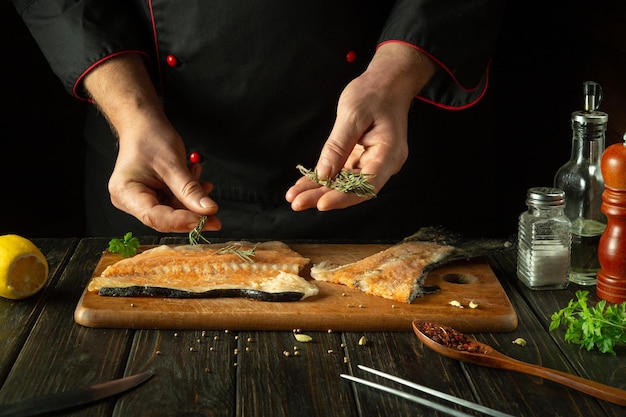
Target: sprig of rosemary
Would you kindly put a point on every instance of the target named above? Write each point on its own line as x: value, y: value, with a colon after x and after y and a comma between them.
x: 601, y: 327
x: 126, y: 246
x: 346, y: 181
x: 195, y: 236
x: 244, y: 254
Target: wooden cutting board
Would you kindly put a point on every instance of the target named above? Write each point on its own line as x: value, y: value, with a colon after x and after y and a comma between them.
x: 336, y: 307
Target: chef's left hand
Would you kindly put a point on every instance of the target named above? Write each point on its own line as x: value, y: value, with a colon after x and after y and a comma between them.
x: 370, y: 131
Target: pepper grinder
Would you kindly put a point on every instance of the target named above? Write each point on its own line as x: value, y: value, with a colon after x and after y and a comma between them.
x: 611, y: 282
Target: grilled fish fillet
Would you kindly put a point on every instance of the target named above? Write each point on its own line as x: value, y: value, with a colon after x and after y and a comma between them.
x: 390, y: 274
x: 203, y: 271
x: 398, y: 273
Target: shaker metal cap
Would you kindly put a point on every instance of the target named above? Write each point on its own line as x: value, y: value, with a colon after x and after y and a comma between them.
x: 545, y: 196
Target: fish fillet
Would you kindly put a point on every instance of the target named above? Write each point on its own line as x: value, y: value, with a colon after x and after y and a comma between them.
x: 398, y: 273
x: 204, y: 271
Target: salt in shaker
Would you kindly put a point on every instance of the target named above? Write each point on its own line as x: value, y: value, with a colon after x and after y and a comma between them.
x: 544, y: 240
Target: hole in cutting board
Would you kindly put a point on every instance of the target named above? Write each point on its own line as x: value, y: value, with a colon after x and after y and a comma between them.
x: 460, y: 278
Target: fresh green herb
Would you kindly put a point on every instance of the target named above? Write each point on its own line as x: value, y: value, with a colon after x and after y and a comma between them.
x: 346, y: 181
x: 237, y: 249
x: 126, y: 247
x: 602, y: 326
x: 195, y: 236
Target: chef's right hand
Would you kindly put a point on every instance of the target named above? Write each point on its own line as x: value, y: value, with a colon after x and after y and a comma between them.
x: 151, y: 179
x: 370, y: 131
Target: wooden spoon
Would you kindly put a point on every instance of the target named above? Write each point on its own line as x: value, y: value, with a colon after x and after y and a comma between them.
x: 482, y: 354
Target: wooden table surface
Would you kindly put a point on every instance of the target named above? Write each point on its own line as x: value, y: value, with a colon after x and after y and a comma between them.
x: 246, y: 373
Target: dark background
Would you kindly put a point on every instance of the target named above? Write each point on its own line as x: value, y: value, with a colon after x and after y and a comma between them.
x: 546, y: 50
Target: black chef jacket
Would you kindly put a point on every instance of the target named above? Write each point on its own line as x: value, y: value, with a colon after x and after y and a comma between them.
x: 252, y: 87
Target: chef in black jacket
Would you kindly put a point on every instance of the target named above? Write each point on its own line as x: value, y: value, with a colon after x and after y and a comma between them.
x: 206, y: 107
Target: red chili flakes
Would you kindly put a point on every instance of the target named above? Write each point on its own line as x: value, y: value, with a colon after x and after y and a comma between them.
x: 449, y: 337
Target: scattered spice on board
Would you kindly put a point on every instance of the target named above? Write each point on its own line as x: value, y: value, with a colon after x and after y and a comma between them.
x: 448, y: 337
x: 520, y: 341
x: 303, y: 338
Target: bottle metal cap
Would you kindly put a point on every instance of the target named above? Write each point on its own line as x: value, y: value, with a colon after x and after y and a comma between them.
x: 590, y: 118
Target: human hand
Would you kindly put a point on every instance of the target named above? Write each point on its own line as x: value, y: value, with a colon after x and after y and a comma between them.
x: 152, y: 181
x: 370, y: 132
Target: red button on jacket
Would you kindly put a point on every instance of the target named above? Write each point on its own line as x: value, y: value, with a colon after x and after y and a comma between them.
x: 195, y: 158
x: 171, y: 60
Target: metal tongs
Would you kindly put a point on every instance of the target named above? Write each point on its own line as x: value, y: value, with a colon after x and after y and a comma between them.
x: 423, y: 401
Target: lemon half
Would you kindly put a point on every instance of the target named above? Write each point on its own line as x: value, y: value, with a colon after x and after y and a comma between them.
x: 23, y: 268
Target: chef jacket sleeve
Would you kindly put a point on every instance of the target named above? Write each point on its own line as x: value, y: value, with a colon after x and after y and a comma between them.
x: 75, y: 35
x: 458, y: 35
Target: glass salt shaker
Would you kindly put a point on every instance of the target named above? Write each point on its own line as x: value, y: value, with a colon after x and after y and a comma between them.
x: 581, y: 180
x: 544, y: 240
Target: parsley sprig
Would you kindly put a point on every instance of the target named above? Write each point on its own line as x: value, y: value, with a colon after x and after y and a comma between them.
x: 599, y: 326
x: 126, y: 247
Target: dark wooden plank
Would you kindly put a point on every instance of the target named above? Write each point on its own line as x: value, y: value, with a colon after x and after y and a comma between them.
x: 604, y: 368
x: 279, y: 376
x: 59, y: 354
x: 17, y: 317
x: 195, y: 374
x: 240, y: 373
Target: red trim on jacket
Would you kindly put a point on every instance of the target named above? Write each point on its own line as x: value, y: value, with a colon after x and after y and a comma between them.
x: 156, y: 45
x: 449, y: 72
x: 466, y: 106
x: 76, y: 90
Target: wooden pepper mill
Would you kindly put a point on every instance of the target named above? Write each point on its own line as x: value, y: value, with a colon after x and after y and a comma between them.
x: 611, y: 283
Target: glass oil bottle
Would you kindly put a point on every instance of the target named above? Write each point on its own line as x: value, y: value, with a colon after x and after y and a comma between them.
x: 581, y: 180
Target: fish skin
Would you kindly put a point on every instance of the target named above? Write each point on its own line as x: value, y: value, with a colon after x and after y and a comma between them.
x: 137, y: 291
x: 398, y: 273
x: 464, y: 247
x: 201, y: 271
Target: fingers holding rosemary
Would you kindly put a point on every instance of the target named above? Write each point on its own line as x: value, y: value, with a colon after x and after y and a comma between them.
x: 346, y: 189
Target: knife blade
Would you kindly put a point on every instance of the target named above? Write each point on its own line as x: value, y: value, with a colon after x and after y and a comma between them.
x: 72, y: 398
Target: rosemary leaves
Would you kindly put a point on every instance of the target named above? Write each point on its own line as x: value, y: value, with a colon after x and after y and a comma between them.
x: 240, y: 251
x: 346, y: 181
x: 195, y: 236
